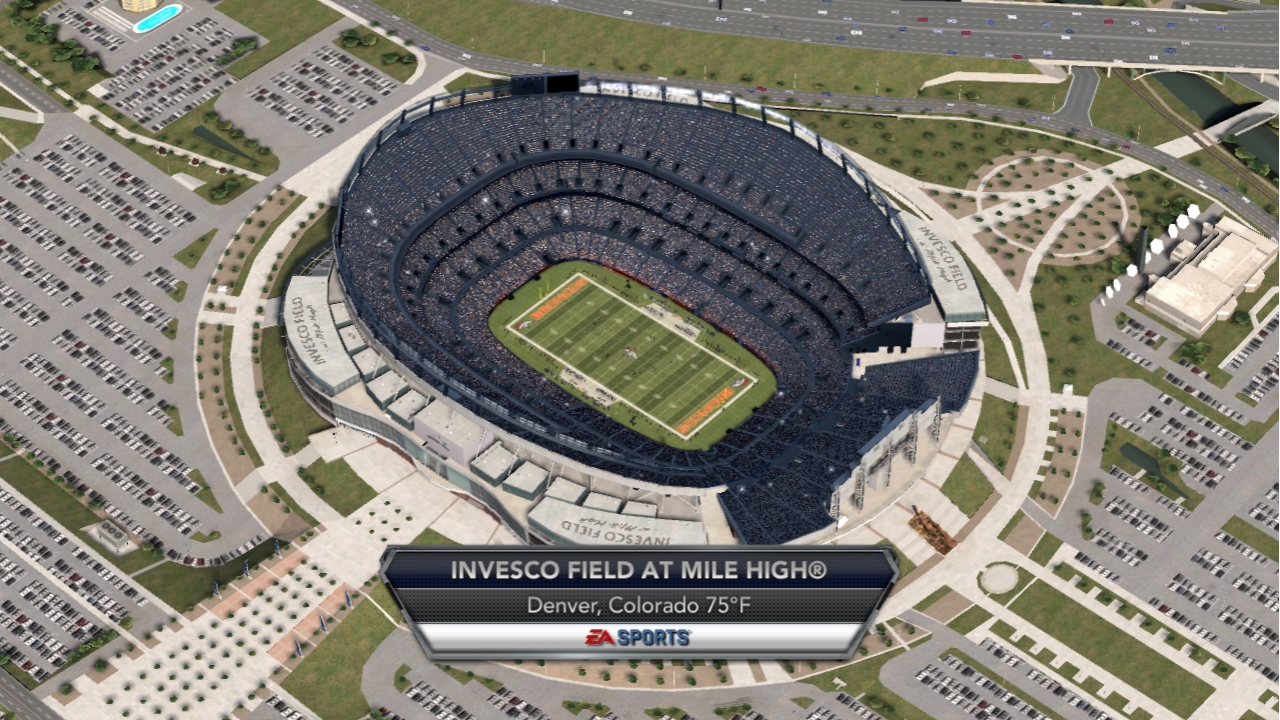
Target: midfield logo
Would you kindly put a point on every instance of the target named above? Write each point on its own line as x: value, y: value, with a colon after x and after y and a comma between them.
x: 599, y: 637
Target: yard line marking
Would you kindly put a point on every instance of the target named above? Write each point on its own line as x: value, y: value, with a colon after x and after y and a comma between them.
x: 574, y: 285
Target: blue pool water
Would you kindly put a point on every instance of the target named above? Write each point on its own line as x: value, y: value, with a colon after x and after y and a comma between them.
x: 157, y: 18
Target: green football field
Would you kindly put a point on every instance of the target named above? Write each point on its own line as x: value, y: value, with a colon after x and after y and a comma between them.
x: 659, y: 370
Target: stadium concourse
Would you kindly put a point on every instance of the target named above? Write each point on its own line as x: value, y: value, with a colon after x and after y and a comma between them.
x: 756, y: 229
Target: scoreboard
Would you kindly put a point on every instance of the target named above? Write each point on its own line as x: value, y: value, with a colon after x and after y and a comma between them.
x: 497, y: 602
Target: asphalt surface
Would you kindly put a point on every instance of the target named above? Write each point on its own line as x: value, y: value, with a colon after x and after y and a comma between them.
x: 1256, y: 85
x: 20, y: 700
x: 1084, y: 84
x: 22, y: 86
x: 1073, y: 33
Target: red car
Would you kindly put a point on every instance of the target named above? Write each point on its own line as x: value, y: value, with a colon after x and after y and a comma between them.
x: 922, y: 19
x: 965, y: 32
x: 1108, y: 21
x: 762, y: 89
x: 1017, y: 57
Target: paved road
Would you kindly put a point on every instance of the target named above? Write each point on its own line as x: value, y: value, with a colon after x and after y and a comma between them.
x: 1256, y: 85
x: 1194, y: 177
x: 1084, y: 85
x: 22, y: 86
x: 1074, y: 33
x: 20, y: 700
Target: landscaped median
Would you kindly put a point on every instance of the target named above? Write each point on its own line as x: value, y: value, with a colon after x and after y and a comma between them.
x: 1112, y: 649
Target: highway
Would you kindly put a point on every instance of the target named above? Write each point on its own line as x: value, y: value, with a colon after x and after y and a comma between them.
x: 1066, y: 34
x: 20, y: 700
x: 1193, y: 177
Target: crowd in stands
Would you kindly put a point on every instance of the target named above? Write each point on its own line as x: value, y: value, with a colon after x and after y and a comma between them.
x: 751, y: 230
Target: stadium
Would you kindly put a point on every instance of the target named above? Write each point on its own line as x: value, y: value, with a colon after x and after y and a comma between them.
x: 637, y: 314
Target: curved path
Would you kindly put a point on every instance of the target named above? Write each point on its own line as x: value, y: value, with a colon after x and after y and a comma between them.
x: 1053, y: 33
x: 1191, y: 177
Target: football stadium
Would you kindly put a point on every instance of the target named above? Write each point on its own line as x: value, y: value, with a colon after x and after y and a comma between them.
x: 614, y: 313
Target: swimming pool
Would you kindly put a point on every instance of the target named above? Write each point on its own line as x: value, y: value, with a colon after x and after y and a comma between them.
x: 157, y: 18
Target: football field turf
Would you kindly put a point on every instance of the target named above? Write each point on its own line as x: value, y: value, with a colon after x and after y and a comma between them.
x: 638, y: 359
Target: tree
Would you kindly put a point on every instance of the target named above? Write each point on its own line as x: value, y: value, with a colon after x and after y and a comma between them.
x: 1024, y: 102
x: 1244, y: 154
x: 369, y: 40
x: 350, y: 41
x: 211, y: 117
x: 388, y: 58
x: 70, y: 49
x: 1242, y: 318
x: 85, y: 62
x: 408, y: 59
x: 4, y: 658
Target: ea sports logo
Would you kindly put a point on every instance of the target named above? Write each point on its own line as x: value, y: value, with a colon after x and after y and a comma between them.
x: 599, y: 637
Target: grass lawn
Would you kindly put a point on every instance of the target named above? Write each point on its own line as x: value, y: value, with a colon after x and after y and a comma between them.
x: 995, y: 306
x: 540, y: 34
x: 998, y: 365
x: 1255, y: 538
x: 863, y: 676
x: 905, y: 566
x: 1120, y: 110
x: 550, y: 326
x: 320, y: 233
x: 933, y: 597
x: 1036, y: 96
x: 294, y: 417
x: 1112, y: 649
x: 999, y: 675
x: 967, y: 487
x: 175, y: 427
x: 283, y: 24
x: 287, y: 499
x: 577, y: 706
x: 40, y: 57
x: 172, y: 164
x: 57, y: 503
x: 262, y: 241
x: 191, y: 254
x: 1229, y: 175
x: 1116, y: 439
x: 998, y: 424
x: 9, y: 100
x: 402, y: 682
x: 956, y: 150
x: 1009, y: 526
x: 179, y: 291
x: 472, y: 81
x: 1085, y: 362
x: 466, y: 676
x: 328, y: 679
x: 431, y: 537
x: 967, y: 621
x: 21, y: 676
x: 371, y: 55
x: 21, y: 134
x: 1149, y: 189
x: 232, y: 405
x: 340, y: 486
x: 1045, y: 548
x: 182, y: 133
x: 183, y: 586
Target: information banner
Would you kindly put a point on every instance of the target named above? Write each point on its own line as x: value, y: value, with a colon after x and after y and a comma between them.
x: 501, y: 602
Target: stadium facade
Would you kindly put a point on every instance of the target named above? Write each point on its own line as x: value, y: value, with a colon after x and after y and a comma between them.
x: 734, y: 212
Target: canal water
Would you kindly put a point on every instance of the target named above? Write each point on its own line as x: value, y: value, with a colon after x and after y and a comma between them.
x: 1212, y: 107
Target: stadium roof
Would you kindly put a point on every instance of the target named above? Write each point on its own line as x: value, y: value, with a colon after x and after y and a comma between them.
x: 313, y: 336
